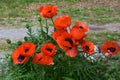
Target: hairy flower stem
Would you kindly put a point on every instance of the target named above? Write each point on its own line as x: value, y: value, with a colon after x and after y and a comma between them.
x: 41, y: 29
x: 46, y: 27
x: 53, y: 24
x: 41, y: 26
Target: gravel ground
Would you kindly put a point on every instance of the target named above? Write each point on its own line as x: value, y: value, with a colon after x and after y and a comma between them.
x: 17, y: 34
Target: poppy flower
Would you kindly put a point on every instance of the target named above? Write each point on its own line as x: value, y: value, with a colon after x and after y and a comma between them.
x: 77, y: 34
x: 65, y: 42
x: 27, y: 49
x: 17, y: 57
x: 42, y: 59
x: 49, y: 49
x: 72, y: 52
x: 58, y: 33
x: 84, y: 27
x: 47, y: 11
x: 88, y: 47
x: 110, y: 47
x: 62, y: 21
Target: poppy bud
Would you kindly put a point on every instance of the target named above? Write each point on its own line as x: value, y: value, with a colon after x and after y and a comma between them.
x: 27, y: 26
x: 26, y: 38
x: 8, y: 41
x: 39, y: 19
x: 19, y: 42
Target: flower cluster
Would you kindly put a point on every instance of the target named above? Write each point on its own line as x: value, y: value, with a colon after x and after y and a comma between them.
x: 69, y: 38
x: 21, y: 54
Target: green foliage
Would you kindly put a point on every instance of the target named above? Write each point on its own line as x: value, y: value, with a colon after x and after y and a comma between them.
x: 64, y: 67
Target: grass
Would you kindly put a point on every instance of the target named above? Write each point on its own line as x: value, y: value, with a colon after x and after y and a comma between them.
x: 101, y: 37
x: 4, y: 47
x: 81, y: 10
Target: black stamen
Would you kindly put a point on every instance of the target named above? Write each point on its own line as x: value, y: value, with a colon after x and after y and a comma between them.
x: 70, y: 47
x: 111, y: 49
x: 26, y: 50
x: 39, y: 59
x: 69, y: 40
x: 49, y: 49
x: 49, y: 11
x: 20, y: 58
x: 87, y: 48
x: 81, y: 27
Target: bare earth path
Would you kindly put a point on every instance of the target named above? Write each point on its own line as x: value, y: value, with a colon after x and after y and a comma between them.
x: 17, y: 34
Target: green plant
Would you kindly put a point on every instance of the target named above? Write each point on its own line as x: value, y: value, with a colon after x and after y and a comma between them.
x: 65, y: 67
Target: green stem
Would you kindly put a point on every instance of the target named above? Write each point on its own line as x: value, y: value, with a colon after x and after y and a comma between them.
x: 46, y: 26
x: 53, y: 24
x: 41, y: 29
x: 41, y: 26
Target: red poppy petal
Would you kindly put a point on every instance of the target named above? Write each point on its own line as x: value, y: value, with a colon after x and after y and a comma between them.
x: 84, y: 27
x: 72, y: 52
x: 48, y: 49
x: 62, y: 21
x: 47, y: 11
x: 17, y: 57
x: 42, y: 59
x: 27, y: 49
x: 110, y: 47
x: 88, y: 47
x: 77, y: 34
x: 58, y: 33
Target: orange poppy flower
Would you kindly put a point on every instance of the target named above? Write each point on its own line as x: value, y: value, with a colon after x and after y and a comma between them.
x: 110, y: 47
x: 42, y: 59
x: 72, y: 52
x: 49, y: 49
x: 77, y: 34
x: 88, y: 47
x: 58, y: 33
x: 27, y: 49
x: 65, y: 42
x: 47, y: 11
x: 62, y: 21
x: 84, y: 27
x: 17, y: 57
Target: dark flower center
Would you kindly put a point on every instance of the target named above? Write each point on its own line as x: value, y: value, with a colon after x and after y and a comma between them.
x: 70, y: 47
x: 26, y: 50
x: 80, y: 27
x: 87, y: 48
x: 49, y: 49
x: 69, y: 40
x: 111, y: 49
x: 20, y: 58
x: 49, y: 11
x: 39, y: 59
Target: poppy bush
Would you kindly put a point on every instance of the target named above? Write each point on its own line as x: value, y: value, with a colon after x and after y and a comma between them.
x: 63, y: 54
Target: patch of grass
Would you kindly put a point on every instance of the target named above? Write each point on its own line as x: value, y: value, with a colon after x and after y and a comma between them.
x: 4, y: 47
x: 93, y: 15
x: 28, y: 9
x: 101, y: 37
